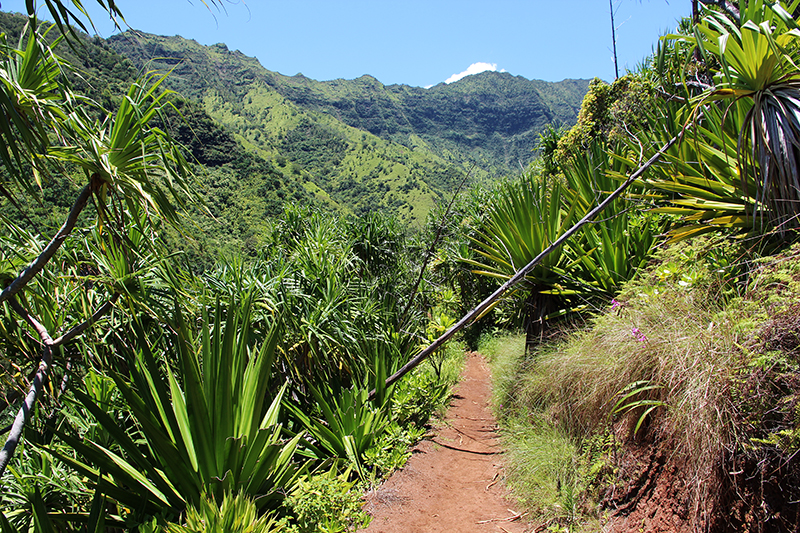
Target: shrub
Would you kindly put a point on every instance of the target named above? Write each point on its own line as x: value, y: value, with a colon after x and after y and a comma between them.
x: 327, y: 503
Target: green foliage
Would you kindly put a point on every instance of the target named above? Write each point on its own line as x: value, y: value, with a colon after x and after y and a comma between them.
x: 39, y: 488
x: 233, y: 514
x: 392, y: 449
x: 700, y: 180
x: 759, y: 58
x: 547, y: 469
x: 348, y: 425
x: 664, y: 342
x: 610, y: 113
x: 628, y: 402
x: 326, y: 503
x: 543, y: 469
x: 525, y: 217
x: 121, y: 154
x: 610, y: 250
x: 205, y: 422
x: 425, y: 391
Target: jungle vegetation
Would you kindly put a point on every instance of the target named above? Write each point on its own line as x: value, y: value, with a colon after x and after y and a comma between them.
x: 227, y: 387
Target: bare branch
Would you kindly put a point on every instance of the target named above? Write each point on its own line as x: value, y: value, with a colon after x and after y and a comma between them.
x: 80, y: 328
x: 36, y: 387
x: 429, y: 253
x: 22, y: 280
x: 520, y: 275
x: 65, y: 379
x: 44, y: 368
x: 614, y: 39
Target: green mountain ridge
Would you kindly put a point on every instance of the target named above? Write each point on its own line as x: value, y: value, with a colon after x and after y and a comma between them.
x: 260, y: 138
x: 395, y: 147
x: 491, y: 118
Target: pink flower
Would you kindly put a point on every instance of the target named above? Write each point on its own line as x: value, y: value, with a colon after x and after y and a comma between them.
x: 638, y: 335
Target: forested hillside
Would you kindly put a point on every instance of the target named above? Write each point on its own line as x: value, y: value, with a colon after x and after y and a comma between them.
x: 260, y: 137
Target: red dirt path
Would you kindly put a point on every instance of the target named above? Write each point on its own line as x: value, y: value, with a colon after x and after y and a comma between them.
x: 453, y: 482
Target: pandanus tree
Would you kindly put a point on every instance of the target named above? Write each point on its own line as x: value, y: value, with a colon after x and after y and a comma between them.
x: 529, y: 215
x: 131, y: 171
x: 524, y: 218
x: 733, y: 77
x: 128, y: 168
x: 754, y: 59
x: 211, y: 423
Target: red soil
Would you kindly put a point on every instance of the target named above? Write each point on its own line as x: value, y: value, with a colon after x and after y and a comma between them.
x: 453, y: 482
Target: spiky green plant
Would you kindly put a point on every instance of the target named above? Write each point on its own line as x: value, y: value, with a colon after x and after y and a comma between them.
x: 609, y: 251
x: 524, y: 218
x: 348, y: 424
x: 130, y: 167
x: 757, y: 58
x: 700, y: 180
x: 231, y: 514
x: 207, y: 424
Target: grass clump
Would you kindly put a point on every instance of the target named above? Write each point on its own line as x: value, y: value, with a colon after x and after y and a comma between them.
x: 233, y: 514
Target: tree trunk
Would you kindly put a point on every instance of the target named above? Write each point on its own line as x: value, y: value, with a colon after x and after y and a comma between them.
x: 614, y: 38
x: 537, y: 307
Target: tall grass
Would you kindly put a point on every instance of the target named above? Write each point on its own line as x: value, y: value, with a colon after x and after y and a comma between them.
x: 668, y: 334
x: 541, y: 459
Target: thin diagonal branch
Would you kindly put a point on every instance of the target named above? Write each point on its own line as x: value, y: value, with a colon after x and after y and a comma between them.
x: 65, y: 379
x: 44, y: 368
x: 429, y: 253
x: 52, y: 247
x: 80, y: 328
x: 36, y: 387
x: 520, y: 275
x: 35, y: 324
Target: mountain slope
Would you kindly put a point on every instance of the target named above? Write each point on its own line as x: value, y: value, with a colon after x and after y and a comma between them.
x: 344, y: 166
x: 355, y: 145
x: 491, y: 118
x: 337, y: 133
x: 241, y: 189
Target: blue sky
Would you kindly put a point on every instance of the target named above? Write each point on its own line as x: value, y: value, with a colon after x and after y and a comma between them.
x: 414, y: 42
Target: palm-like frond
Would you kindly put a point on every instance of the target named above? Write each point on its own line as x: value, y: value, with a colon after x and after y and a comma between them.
x: 33, y: 105
x: 608, y: 251
x: 524, y: 218
x: 758, y: 59
x: 700, y: 179
x: 209, y: 425
x: 124, y: 155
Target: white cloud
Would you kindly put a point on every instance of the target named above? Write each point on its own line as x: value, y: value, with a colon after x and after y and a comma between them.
x: 475, y: 68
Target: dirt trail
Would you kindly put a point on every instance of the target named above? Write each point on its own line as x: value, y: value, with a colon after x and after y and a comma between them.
x: 452, y: 483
